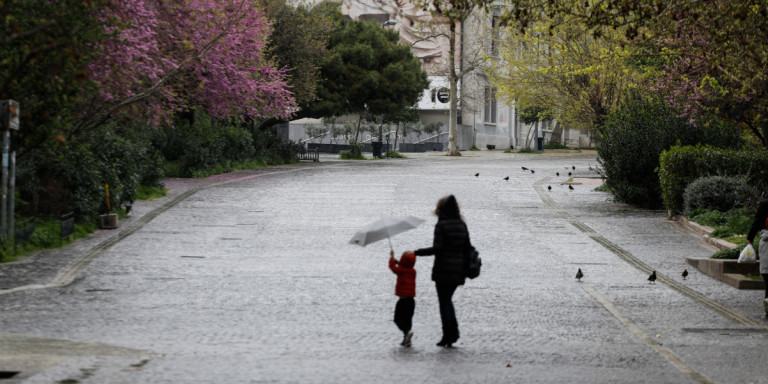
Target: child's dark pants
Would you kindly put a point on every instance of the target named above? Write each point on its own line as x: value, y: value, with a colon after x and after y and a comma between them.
x: 404, y: 313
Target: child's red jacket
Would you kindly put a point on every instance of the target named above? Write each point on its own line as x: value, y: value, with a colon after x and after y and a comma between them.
x: 406, y: 275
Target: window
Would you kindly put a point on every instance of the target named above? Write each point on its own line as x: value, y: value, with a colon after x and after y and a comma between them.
x: 493, y: 48
x: 489, y: 114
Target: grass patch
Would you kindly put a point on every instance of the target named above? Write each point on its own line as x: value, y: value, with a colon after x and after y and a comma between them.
x: 726, y: 224
x: 727, y: 254
x: 147, y: 192
x: 554, y: 146
x: 175, y: 169
x: 395, y: 155
x: 350, y: 155
x: 46, y: 234
x: 736, y: 239
x: 527, y: 150
x: 229, y: 167
x: 603, y: 188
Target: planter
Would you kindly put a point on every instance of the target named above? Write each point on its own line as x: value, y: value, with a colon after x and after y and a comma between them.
x: 729, y: 272
x: 108, y: 221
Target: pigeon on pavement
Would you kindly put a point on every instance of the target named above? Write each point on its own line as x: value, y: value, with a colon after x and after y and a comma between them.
x: 579, y: 275
x: 570, y: 187
x: 477, y: 174
x: 506, y: 178
x: 652, y: 277
x: 685, y: 274
x: 524, y: 168
x: 549, y: 187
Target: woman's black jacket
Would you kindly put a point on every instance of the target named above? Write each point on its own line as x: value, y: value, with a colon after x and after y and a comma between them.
x: 449, y: 247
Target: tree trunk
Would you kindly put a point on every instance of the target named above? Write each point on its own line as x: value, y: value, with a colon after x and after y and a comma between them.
x: 357, y: 130
x: 397, y: 131
x: 453, y: 149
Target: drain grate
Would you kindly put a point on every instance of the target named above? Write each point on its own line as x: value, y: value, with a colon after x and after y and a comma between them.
x: 8, y: 374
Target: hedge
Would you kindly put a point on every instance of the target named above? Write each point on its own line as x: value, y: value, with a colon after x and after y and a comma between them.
x: 680, y: 165
x: 632, y: 138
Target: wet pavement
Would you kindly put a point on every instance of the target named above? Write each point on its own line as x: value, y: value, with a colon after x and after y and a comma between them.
x: 252, y: 281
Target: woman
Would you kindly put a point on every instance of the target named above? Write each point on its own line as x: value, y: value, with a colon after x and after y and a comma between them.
x: 759, y: 225
x: 449, y: 247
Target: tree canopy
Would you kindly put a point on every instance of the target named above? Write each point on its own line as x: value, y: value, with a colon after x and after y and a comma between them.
x: 367, y: 71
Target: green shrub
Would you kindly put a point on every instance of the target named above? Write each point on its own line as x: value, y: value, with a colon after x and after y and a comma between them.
x: 395, y: 155
x: 720, y: 193
x: 351, y: 155
x: 69, y: 175
x: 631, y: 140
x: 681, y: 165
x: 203, y: 146
x: 728, y: 254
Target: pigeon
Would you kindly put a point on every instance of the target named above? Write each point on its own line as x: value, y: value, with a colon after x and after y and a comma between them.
x: 557, y: 173
x: 532, y: 171
x: 524, y: 168
x: 685, y: 274
x: 549, y: 187
x: 574, y: 167
x: 652, y: 277
x: 477, y: 174
x: 506, y: 178
x: 569, y: 174
x: 579, y: 275
x: 570, y: 187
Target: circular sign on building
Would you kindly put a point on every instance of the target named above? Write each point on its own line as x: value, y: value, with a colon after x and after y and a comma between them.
x: 443, y: 95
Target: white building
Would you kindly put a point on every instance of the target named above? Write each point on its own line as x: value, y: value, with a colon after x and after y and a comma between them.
x: 483, y: 118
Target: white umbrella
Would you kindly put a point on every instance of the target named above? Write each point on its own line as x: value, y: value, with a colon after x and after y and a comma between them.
x: 384, y: 229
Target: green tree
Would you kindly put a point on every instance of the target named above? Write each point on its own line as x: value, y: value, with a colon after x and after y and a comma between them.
x: 298, y: 42
x: 562, y: 66
x: 45, y: 48
x: 711, y: 55
x: 367, y: 72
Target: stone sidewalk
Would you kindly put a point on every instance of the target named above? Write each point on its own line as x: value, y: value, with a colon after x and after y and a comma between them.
x: 252, y: 282
x: 56, y: 266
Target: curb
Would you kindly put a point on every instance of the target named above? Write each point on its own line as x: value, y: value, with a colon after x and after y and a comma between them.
x: 704, y: 232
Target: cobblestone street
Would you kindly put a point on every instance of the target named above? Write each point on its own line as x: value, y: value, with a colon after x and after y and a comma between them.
x: 253, y: 281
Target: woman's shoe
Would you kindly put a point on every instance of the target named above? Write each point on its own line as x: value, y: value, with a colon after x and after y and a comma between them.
x: 441, y: 343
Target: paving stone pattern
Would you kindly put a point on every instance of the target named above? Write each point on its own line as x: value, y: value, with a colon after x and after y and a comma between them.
x: 254, y: 282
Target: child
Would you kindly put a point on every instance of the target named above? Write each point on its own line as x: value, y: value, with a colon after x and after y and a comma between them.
x: 405, y: 289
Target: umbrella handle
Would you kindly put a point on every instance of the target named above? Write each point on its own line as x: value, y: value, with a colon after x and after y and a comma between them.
x: 390, y: 244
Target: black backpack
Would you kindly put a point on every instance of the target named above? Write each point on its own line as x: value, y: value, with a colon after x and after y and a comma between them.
x: 472, y: 263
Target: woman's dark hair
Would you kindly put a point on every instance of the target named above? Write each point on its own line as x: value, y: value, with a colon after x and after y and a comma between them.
x: 448, y: 208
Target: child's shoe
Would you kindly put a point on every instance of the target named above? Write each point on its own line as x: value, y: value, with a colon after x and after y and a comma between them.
x: 407, y: 339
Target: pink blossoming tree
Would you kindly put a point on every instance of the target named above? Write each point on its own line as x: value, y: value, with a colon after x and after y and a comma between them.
x: 168, y: 56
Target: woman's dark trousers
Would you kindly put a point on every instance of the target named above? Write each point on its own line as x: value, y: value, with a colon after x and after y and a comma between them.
x: 765, y: 279
x: 447, y: 313
x: 404, y: 313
